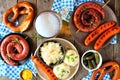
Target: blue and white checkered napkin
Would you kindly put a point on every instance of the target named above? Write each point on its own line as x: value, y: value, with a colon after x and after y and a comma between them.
x: 13, y: 72
x: 66, y: 7
x: 106, y: 77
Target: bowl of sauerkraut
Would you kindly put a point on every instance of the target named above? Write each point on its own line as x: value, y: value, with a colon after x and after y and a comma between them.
x: 51, y: 52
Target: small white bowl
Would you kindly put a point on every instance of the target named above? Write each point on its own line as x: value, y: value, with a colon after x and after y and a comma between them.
x: 100, y: 59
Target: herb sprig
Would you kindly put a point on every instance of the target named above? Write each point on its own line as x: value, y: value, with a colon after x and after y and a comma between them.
x: 35, y: 36
x: 15, y: 40
x: 93, y: 23
x: 83, y: 9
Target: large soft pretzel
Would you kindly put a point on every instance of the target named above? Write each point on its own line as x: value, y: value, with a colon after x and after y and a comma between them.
x: 106, y: 68
x: 17, y: 11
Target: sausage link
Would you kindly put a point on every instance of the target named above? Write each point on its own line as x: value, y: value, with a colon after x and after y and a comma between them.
x: 93, y: 35
x: 46, y: 69
x: 93, y: 7
x: 90, y: 16
x: 105, y: 36
x: 15, y: 47
x: 4, y: 55
x: 90, y: 5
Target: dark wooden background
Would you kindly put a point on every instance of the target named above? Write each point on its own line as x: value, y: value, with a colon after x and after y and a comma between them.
x: 110, y: 52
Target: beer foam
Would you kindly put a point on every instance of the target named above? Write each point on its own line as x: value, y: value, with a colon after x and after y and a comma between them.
x: 47, y: 24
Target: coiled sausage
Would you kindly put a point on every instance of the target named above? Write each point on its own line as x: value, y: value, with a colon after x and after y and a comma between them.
x: 88, y: 13
x: 13, y: 48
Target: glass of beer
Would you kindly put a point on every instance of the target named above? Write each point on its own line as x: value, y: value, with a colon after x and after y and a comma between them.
x: 48, y: 24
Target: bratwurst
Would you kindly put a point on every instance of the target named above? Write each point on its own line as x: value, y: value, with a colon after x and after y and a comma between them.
x: 14, y: 48
x: 87, y: 16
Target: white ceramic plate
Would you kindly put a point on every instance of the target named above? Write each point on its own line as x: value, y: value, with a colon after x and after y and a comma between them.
x: 67, y: 45
x: 80, y: 36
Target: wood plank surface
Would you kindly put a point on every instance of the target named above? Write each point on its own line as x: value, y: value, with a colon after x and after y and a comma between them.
x: 110, y: 52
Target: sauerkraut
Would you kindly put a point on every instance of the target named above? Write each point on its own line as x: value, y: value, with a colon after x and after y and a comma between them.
x: 62, y: 71
x: 51, y: 52
x: 71, y: 58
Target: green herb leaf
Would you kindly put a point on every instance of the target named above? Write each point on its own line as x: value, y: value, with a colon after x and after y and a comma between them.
x: 93, y: 23
x: 72, y: 54
x: 63, y: 70
x: 67, y: 71
x: 35, y: 36
x: 58, y: 68
x: 8, y: 57
x: 76, y: 56
x: 16, y: 40
x: 83, y: 9
x: 67, y: 57
x: 72, y: 59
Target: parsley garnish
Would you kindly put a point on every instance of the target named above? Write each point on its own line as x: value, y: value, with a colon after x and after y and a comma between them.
x: 35, y: 36
x: 15, y: 40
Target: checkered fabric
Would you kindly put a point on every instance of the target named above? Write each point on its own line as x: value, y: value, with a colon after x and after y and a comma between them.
x: 106, y: 77
x: 78, y: 2
x: 67, y: 7
x: 13, y: 72
x: 3, y: 30
x: 57, y: 5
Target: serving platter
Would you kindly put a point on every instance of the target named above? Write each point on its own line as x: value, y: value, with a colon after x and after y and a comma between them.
x: 67, y: 45
x: 80, y: 36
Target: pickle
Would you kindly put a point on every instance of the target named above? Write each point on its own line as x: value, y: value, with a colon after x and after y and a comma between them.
x: 90, y: 57
x: 93, y: 63
x: 88, y: 54
x: 96, y: 58
x: 85, y: 63
x: 90, y: 66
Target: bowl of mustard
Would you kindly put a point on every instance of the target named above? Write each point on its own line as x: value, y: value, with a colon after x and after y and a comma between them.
x: 26, y: 74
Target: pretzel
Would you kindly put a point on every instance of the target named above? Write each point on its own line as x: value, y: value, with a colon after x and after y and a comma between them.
x: 17, y: 11
x: 118, y: 78
x: 112, y: 66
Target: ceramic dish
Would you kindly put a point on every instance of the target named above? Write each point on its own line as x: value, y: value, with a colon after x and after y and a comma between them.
x: 99, y: 59
x: 80, y: 36
x: 67, y: 45
x: 20, y: 62
x: 46, y: 42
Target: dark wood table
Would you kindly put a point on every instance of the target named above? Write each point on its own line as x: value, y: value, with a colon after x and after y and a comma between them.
x: 110, y: 52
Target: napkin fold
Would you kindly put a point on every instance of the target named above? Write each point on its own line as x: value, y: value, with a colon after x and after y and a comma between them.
x: 13, y: 72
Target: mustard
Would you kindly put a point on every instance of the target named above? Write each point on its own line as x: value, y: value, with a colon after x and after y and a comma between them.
x: 26, y: 74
